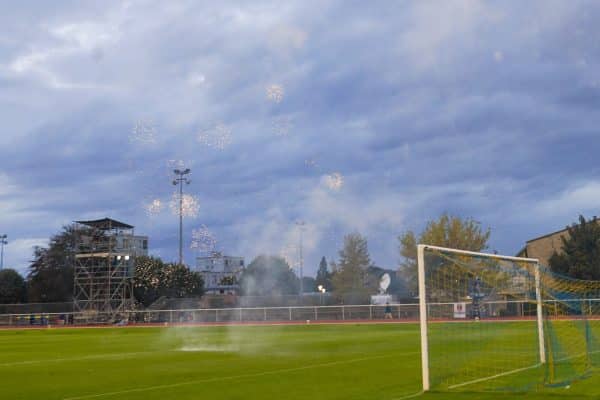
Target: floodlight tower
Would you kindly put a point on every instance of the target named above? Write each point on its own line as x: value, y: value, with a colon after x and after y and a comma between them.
x: 180, y: 179
x: 3, y: 241
x: 301, y: 225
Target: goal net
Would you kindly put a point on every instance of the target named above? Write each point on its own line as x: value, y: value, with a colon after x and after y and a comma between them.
x: 493, y: 322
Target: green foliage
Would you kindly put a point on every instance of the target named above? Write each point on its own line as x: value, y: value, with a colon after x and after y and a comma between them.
x: 447, y: 231
x: 50, y: 277
x: 580, y: 255
x: 154, y: 279
x: 351, y: 280
x: 323, y: 275
x: 269, y: 275
x: 309, y: 284
x: 12, y: 287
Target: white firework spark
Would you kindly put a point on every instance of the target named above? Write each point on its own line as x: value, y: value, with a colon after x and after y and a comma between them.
x: 275, y: 93
x: 154, y: 207
x: 203, y: 240
x: 177, y: 164
x: 144, y: 131
x: 218, y: 137
x: 190, y: 206
x: 282, y: 125
x: 334, y: 181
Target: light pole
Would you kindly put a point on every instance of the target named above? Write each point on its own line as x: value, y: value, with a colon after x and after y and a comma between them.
x: 180, y: 180
x: 3, y: 241
x: 300, y: 225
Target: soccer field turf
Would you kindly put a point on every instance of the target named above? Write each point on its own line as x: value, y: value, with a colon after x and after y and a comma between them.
x: 372, y: 361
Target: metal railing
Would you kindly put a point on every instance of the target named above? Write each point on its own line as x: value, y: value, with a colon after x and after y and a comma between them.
x: 402, y: 312
x: 218, y: 315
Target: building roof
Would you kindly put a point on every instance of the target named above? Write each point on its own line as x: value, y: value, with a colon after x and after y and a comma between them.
x: 547, y: 235
x: 105, y: 224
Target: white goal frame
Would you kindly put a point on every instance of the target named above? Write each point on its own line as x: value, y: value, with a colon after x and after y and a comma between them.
x: 423, y: 302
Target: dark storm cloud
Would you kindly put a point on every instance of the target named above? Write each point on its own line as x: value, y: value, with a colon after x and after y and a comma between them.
x: 481, y: 109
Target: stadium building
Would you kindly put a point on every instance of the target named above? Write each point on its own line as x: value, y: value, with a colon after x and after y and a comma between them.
x: 221, y: 273
x: 544, y: 246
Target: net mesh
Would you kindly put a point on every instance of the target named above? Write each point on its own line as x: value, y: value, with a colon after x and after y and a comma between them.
x: 483, y: 328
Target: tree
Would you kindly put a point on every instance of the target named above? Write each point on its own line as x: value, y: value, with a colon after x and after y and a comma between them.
x: 12, y: 287
x: 580, y: 254
x: 180, y: 281
x: 323, y: 275
x: 154, y: 279
x: 351, y: 280
x: 269, y: 275
x: 50, y: 277
x: 309, y: 284
x: 447, y: 231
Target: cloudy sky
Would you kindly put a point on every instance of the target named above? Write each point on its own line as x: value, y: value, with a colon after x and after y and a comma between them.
x: 350, y: 118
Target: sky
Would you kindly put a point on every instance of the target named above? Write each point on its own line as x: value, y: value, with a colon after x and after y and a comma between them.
x: 351, y: 118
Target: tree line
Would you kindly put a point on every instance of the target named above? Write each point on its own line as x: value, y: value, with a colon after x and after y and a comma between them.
x: 50, y: 276
x: 351, y: 278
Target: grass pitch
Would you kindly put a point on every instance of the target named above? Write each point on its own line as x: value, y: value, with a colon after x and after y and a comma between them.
x: 362, y: 362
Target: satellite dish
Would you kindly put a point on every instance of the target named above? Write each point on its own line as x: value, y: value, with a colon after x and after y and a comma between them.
x: 384, y: 282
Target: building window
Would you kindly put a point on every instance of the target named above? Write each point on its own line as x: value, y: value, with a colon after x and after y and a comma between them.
x: 145, y: 244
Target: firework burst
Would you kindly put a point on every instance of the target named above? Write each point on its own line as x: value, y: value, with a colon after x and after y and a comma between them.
x: 203, y: 241
x: 281, y: 126
x: 218, y: 137
x: 144, y: 131
x: 334, y: 181
x: 154, y: 207
x: 275, y: 93
x: 311, y: 163
x: 190, y: 206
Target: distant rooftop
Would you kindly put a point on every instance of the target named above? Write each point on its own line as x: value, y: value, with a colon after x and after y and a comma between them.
x: 105, y: 224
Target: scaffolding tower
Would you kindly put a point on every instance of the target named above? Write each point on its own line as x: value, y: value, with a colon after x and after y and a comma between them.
x: 104, y: 267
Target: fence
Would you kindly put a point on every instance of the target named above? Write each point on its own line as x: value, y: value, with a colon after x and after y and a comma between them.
x: 219, y: 315
x: 406, y: 312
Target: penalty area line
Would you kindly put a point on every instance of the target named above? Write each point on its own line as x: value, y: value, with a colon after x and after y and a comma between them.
x: 106, y: 356
x: 232, y: 377
x: 410, y: 396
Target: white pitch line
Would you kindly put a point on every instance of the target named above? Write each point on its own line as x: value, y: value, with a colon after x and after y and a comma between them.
x: 494, y: 376
x: 112, y: 356
x: 233, y: 377
x: 410, y: 396
x: 518, y: 370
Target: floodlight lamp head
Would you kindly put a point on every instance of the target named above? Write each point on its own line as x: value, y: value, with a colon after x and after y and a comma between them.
x: 178, y: 172
x: 175, y: 182
x: 127, y: 257
x: 118, y: 258
x: 320, y: 287
x: 187, y: 171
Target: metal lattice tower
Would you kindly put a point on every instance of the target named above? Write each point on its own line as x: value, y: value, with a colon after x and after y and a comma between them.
x: 104, y: 267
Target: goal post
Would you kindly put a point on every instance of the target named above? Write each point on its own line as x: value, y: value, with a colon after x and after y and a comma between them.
x: 423, y: 316
x: 469, y: 303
